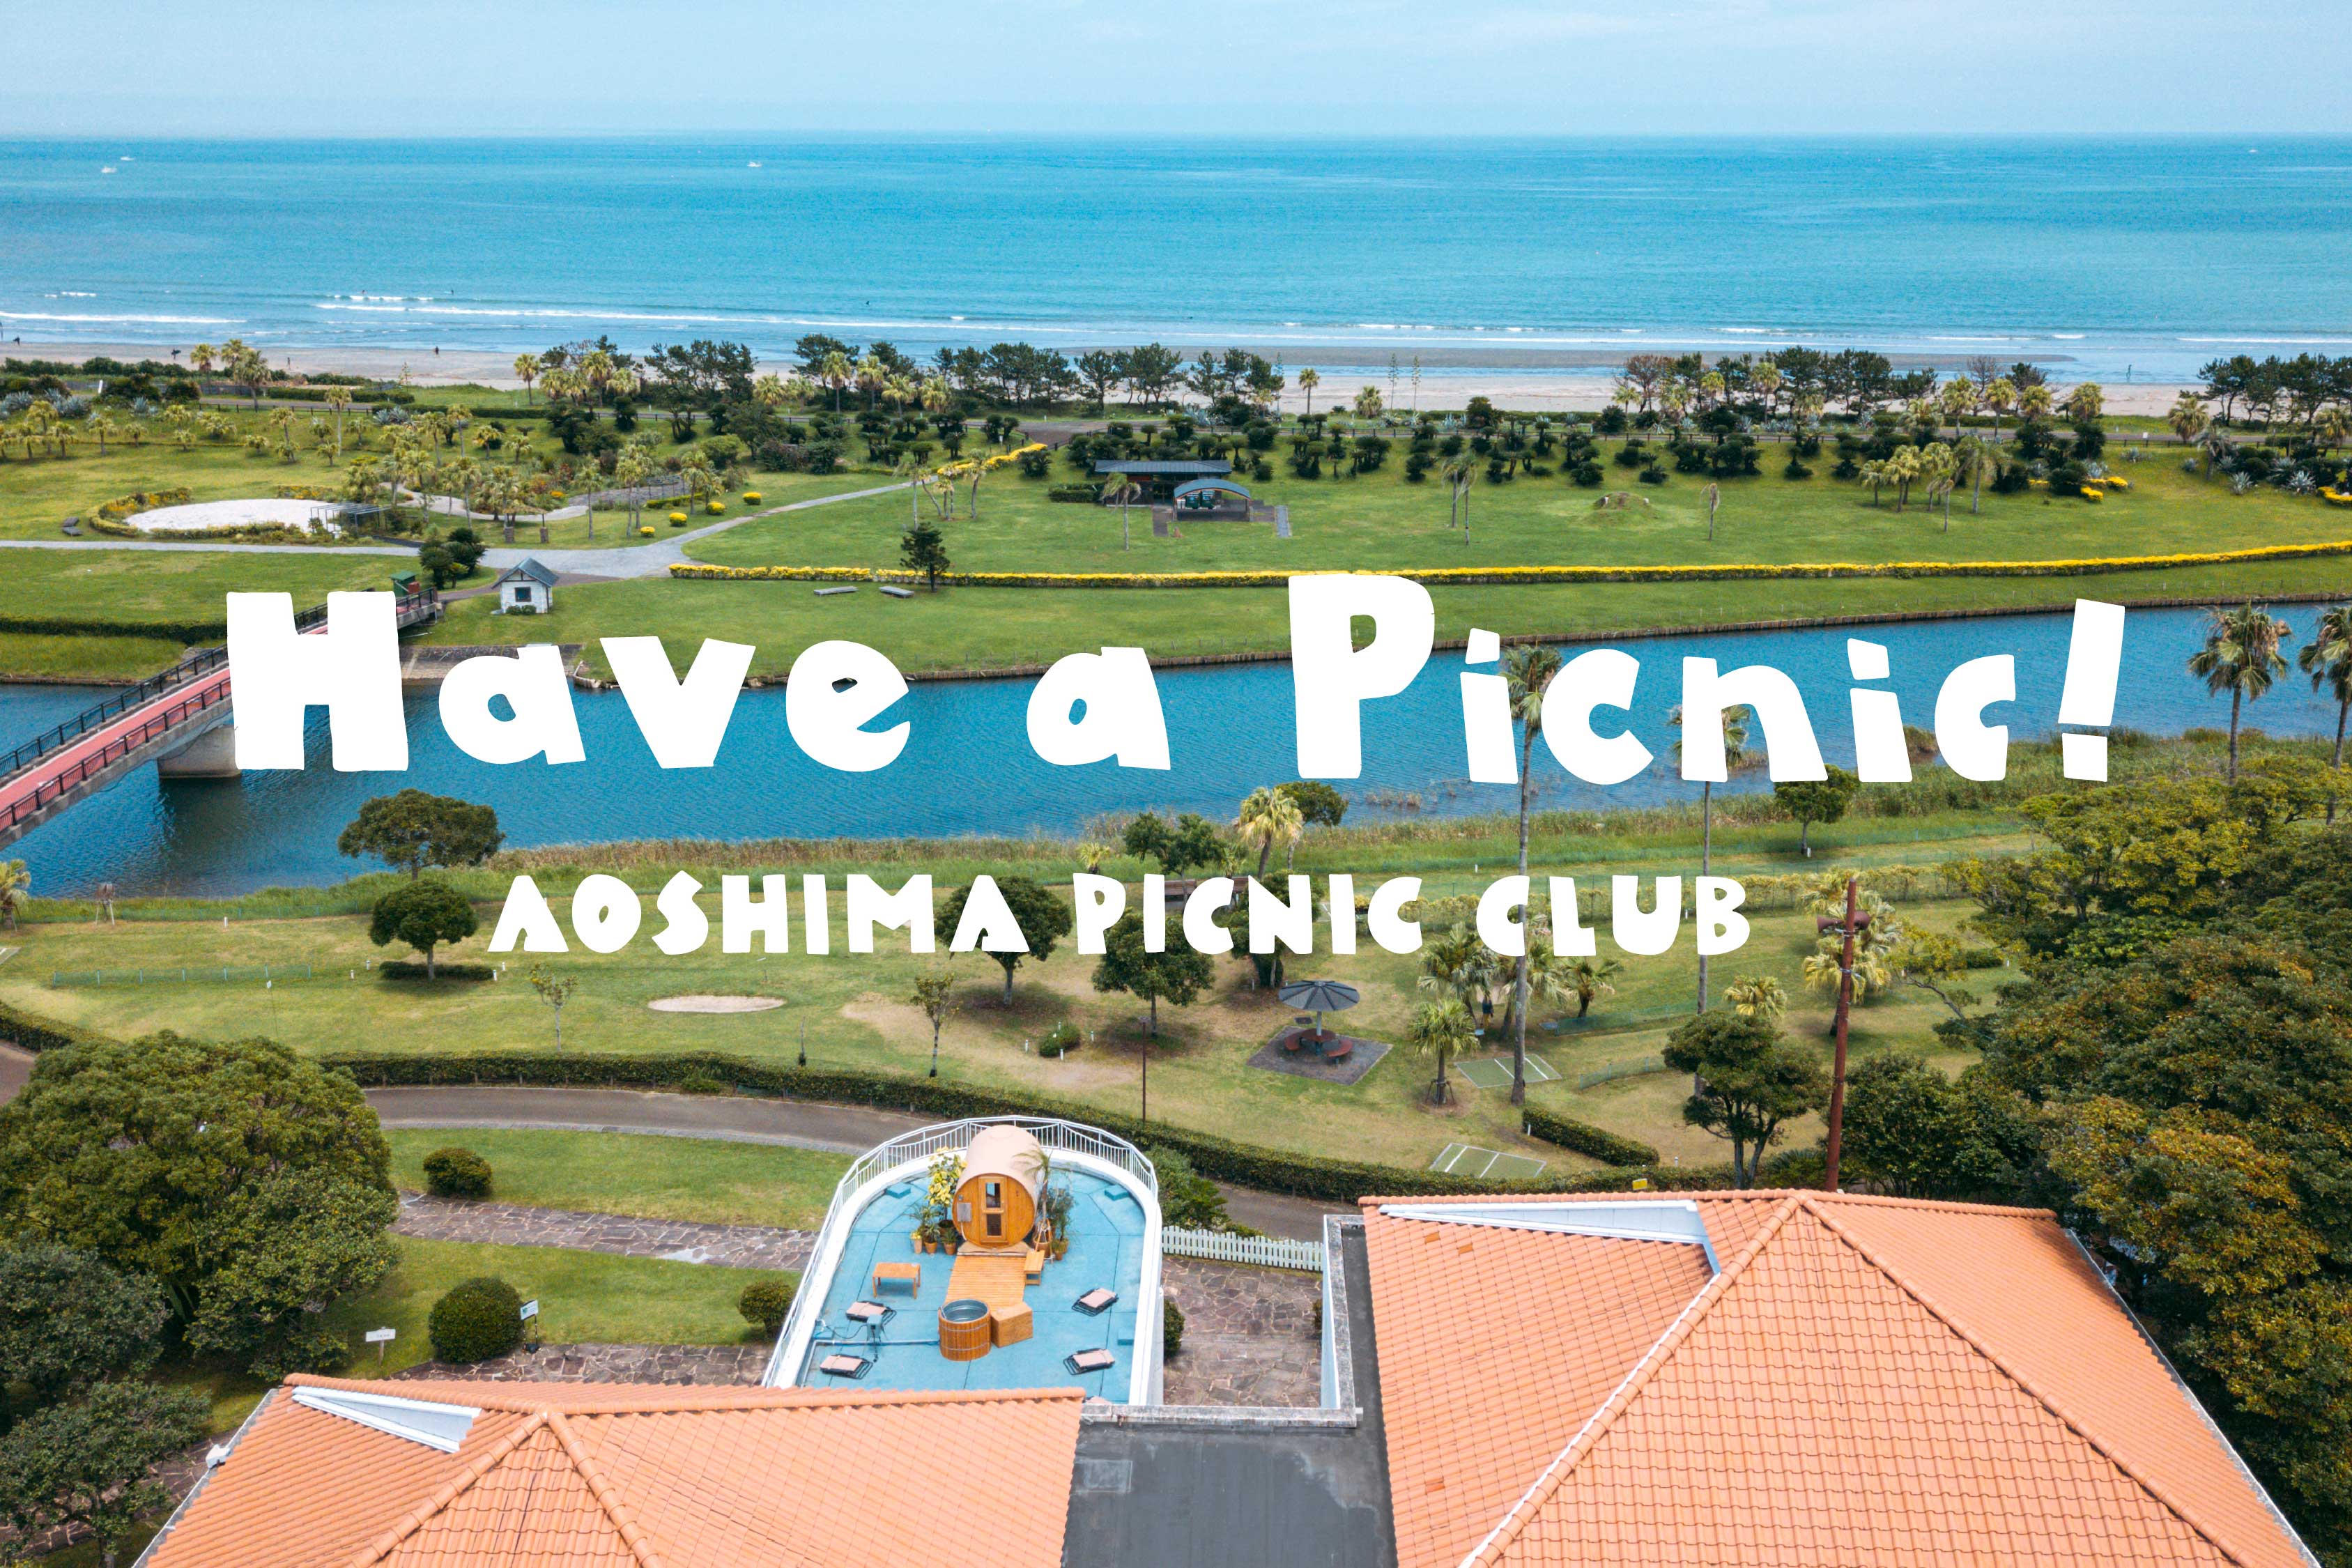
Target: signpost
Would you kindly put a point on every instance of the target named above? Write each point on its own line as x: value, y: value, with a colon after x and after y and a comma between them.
x: 531, y: 1321
x: 380, y: 1338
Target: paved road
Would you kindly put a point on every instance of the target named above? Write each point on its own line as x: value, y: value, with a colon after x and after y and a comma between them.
x: 835, y: 1129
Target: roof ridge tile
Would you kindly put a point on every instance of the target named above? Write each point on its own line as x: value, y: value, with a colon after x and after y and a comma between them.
x: 468, y: 1475
x: 1490, y: 1550
x: 2065, y: 1417
x: 608, y: 1497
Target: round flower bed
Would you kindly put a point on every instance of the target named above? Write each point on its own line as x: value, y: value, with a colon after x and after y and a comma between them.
x: 677, y: 520
x: 751, y: 497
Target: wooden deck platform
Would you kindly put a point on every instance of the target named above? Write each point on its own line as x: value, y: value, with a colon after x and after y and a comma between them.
x: 998, y: 1279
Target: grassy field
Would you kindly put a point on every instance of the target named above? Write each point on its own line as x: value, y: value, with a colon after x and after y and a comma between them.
x: 24, y: 656
x: 654, y: 1178
x: 856, y: 1013
x: 1001, y: 628
x: 38, y: 493
x: 1380, y: 522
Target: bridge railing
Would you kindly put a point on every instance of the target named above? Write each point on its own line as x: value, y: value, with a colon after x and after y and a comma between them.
x: 203, y: 661
x: 50, y: 791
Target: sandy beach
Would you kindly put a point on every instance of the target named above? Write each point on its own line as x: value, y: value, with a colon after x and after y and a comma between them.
x: 1512, y: 380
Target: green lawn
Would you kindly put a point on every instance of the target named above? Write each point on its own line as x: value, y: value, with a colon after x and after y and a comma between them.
x: 1380, y: 522
x: 856, y: 1015
x: 656, y: 1178
x: 1000, y: 628
x: 127, y: 588
x: 25, y: 657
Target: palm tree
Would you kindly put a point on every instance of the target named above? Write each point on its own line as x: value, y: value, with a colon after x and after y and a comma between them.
x: 1960, y: 398
x: 2242, y: 656
x: 1589, y: 980
x: 339, y: 398
x: 1461, y: 473
x: 1441, y: 1029
x: 2328, y: 660
x: 1975, y: 461
x: 1940, y: 471
x: 1269, y: 815
x: 15, y: 882
x: 1903, y: 468
x: 872, y: 376
x: 101, y: 425
x: 836, y: 371
x: 1308, y: 380
x: 204, y: 356
x: 526, y: 368
x: 1999, y: 398
x: 2087, y: 402
x: 1123, y: 490
x: 1756, y: 996
x: 630, y: 471
x: 1459, y: 965
x: 1735, y: 757
x: 2187, y: 417
x: 1713, y: 496
x: 2033, y: 402
x: 1874, y: 475
x: 1529, y: 671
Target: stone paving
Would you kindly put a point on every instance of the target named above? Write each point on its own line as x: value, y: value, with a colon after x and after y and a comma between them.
x: 608, y: 1363
x: 1252, y: 1336
x: 679, y: 1241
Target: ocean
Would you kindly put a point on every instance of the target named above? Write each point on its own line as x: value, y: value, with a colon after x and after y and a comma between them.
x: 2135, y: 258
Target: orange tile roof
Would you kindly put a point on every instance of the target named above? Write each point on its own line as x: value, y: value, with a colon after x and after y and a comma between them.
x: 1865, y: 1381
x: 620, y: 1475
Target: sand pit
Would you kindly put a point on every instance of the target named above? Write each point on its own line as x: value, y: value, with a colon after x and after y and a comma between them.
x: 715, y: 1003
x: 220, y: 516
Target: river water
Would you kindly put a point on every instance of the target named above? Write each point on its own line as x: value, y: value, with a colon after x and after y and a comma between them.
x: 968, y: 770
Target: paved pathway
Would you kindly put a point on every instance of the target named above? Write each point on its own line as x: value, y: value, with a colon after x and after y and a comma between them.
x: 678, y: 1241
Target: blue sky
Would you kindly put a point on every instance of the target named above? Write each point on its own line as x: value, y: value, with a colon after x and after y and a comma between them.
x: 1352, y: 67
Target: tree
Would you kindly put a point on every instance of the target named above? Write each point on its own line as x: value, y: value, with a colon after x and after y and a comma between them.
x: 253, y: 1184
x: 527, y: 370
x: 2326, y: 658
x: 1588, y: 980
x: 1190, y: 841
x: 555, y: 990
x: 85, y: 1463
x: 423, y: 914
x: 1528, y: 674
x: 1267, y: 816
x: 1912, y: 1131
x: 2188, y: 416
x: 1974, y: 462
x: 1459, y: 965
x: 1735, y: 757
x: 1178, y: 975
x: 412, y: 830
x: 1751, y: 1082
x: 68, y: 1319
x: 15, y: 887
x: 1308, y: 380
x: 2242, y: 657
x: 339, y: 398
x: 1441, y: 1029
x: 245, y: 367
x: 1100, y: 370
x: 935, y: 995
x: 1824, y: 800
x: 1043, y: 917
x: 921, y: 548
x: 1756, y: 996
x: 1320, y: 805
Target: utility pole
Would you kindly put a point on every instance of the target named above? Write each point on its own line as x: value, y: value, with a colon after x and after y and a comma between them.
x: 1849, y: 924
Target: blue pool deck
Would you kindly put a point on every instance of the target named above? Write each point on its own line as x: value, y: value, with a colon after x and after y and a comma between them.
x: 1106, y: 1231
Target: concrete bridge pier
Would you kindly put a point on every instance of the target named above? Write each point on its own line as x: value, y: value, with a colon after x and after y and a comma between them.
x: 211, y: 756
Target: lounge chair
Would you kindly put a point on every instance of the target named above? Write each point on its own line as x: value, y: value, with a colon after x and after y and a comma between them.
x: 1083, y: 1362
x: 869, y: 1312
x: 1097, y: 1302
x: 844, y: 1365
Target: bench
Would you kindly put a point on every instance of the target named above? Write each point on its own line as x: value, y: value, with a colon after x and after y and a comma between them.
x: 829, y: 592
x: 906, y: 1277
x: 897, y: 593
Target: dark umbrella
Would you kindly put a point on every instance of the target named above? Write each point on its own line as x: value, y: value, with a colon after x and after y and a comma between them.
x: 1318, y: 997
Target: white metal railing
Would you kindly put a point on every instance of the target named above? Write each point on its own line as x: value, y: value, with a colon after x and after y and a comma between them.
x: 1266, y: 1251
x: 917, y: 1147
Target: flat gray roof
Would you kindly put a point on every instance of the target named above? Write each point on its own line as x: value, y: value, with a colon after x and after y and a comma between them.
x: 1238, y: 1495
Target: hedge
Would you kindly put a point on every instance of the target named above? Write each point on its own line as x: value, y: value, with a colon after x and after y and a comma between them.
x: 1265, y: 1170
x: 1583, y: 1138
x: 80, y: 626
x: 410, y: 969
x: 37, y: 1034
x: 1496, y: 575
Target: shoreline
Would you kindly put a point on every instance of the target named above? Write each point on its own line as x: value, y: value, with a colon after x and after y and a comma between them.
x: 1538, y: 380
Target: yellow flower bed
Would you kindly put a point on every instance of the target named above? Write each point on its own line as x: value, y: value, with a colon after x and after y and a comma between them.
x: 144, y: 501
x: 2335, y: 498
x: 751, y: 497
x: 2116, y: 482
x: 2093, y: 492
x: 1275, y: 577
x: 677, y: 520
x: 646, y: 530
x: 714, y: 507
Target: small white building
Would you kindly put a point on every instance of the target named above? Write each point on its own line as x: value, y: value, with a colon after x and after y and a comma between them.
x: 528, y: 589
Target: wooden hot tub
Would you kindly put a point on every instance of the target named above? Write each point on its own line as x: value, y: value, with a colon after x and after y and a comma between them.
x: 964, y: 1331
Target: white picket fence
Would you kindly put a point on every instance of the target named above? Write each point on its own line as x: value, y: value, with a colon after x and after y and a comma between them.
x: 1266, y: 1251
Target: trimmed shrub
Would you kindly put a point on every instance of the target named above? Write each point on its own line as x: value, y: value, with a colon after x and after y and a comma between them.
x: 409, y: 969
x: 702, y: 1083
x: 476, y: 1320
x: 766, y: 1303
x: 1583, y: 1138
x: 1172, y: 1326
x: 1060, y: 1041
x: 457, y: 1173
